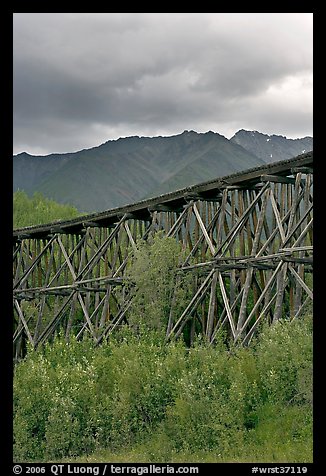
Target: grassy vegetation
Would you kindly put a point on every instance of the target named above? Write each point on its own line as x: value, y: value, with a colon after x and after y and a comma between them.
x: 134, y: 399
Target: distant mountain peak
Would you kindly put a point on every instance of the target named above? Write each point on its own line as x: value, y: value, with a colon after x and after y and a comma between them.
x: 23, y: 154
x: 245, y: 132
x: 186, y: 131
x: 272, y: 148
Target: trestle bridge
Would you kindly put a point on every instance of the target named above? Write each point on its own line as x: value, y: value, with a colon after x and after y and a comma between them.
x: 249, y: 242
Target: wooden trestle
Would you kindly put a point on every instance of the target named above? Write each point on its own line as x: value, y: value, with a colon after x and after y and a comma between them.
x: 249, y: 241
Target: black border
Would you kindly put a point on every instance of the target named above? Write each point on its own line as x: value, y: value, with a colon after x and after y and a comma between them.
x: 6, y: 267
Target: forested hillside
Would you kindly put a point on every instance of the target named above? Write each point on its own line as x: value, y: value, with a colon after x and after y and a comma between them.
x: 38, y: 209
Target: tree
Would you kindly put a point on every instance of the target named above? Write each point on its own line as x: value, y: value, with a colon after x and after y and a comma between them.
x: 154, y: 273
x: 38, y: 209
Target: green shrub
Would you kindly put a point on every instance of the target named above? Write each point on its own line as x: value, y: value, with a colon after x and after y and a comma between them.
x: 153, y: 271
x: 32, y: 399
x: 284, y: 359
x: 53, y: 391
x: 134, y: 391
x: 143, y: 373
x: 209, y: 409
x: 38, y: 209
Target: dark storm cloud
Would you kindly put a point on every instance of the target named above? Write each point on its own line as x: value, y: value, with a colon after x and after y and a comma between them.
x: 81, y: 79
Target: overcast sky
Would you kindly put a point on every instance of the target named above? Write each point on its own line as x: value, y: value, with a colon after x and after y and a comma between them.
x: 81, y: 79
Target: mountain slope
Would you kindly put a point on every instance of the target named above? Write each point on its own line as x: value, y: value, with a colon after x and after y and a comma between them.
x: 30, y: 170
x: 218, y: 157
x: 129, y: 169
x: 272, y: 148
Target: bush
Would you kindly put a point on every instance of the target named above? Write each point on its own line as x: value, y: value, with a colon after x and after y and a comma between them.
x: 134, y: 390
x: 154, y: 273
x: 213, y: 401
x: 284, y: 360
x: 32, y: 388
x: 53, y: 392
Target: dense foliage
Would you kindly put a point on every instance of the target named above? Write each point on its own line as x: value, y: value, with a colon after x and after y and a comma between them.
x: 166, y: 402
x: 153, y: 271
x: 252, y: 404
x: 38, y: 209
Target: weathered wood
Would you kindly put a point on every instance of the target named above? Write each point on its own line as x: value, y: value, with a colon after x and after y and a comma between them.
x: 281, y: 283
x: 193, y: 303
x: 267, y: 306
x: 261, y: 297
x: 301, y: 282
x: 277, y: 179
x: 277, y: 217
x: 233, y: 233
x: 258, y: 229
x: 131, y: 239
x: 179, y: 222
x: 227, y: 305
x: 212, y: 307
x: 110, y: 328
x: 303, y: 233
x: 161, y: 207
x: 303, y: 170
x: 22, y: 319
x: 30, y: 269
x: 247, y: 283
x: 210, y: 227
x: 203, y: 229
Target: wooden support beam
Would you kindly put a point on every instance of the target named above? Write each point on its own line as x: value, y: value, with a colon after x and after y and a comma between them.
x: 142, y: 215
x: 57, y: 229
x: 193, y: 303
x: 277, y: 179
x: 233, y: 187
x: 90, y: 224
x: 301, y: 282
x: 281, y: 282
x: 162, y: 207
x: 131, y: 239
x: 233, y: 233
x: 248, y: 280
x: 267, y: 288
x: 303, y: 170
x: 265, y: 309
x: 227, y: 305
x: 29, y: 269
x: 180, y: 221
x: 22, y: 319
x: 192, y: 196
x: 294, y: 249
x: 23, y: 236
x: 203, y: 229
x: 300, y: 260
x: 211, y: 307
x: 111, y: 327
x: 52, y: 325
x: 277, y: 217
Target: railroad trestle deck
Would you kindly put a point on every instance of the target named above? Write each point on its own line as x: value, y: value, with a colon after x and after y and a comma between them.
x: 249, y: 245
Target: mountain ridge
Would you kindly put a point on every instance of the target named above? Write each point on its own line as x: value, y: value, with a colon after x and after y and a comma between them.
x: 128, y: 169
x: 272, y: 147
